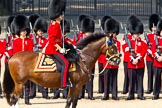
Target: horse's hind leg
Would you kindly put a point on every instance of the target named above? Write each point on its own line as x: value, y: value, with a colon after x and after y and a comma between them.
x: 68, y: 102
x: 16, y: 93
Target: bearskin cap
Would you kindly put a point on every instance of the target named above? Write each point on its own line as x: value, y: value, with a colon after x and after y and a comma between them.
x: 87, y: 25
x: 33, y: 18
x: 66, y: 26
x: 9, y: 21
x: 19, y: 23
x: 132, y: 17
x: 56, y: 8
x: 81, y: 17
x: 41, y: 24
x: 104, y: 18
x: 111, y: 26
x: 159, y: 27
x: 135, y: 26
x: 153, y: 20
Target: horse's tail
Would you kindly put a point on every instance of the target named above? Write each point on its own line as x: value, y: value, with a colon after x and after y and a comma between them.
x: 8, y: 84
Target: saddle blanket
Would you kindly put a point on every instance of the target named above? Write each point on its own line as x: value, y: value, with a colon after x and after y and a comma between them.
x: 46, y: 64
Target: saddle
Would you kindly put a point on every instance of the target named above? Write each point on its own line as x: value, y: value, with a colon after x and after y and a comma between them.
x: 46, y: 64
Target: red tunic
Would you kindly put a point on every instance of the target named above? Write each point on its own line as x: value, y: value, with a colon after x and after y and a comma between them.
x: 156, y: 63
x: 41, y: 42
x: 151, y: 38
x: 54, y: 36
x: 141, y: 49
x: 9, y: 51
x: 20, y: 44
x: 124, y: 45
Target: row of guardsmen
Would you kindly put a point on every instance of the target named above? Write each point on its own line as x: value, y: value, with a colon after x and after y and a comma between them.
x: 28, y: 34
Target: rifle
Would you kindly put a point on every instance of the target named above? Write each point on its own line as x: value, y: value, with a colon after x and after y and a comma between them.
x: 131, y: 50
x: 100, y: 26
x: 75, y: 31
x: 147, y: 40
x: 157, y: 46
x: 34, y: 39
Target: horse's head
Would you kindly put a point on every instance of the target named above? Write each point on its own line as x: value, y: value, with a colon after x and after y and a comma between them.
x: 111, y: 51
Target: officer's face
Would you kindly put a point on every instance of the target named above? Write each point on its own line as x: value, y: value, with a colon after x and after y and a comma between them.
x: 153, y: 29
x: 40, y: 33
x: 161, y: 33
x: 23, y: 33
x: 136, y: 36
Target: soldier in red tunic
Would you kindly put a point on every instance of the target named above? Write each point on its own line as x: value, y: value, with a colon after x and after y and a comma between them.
x: 101, y: 60
x: 153, y: 20
x: 6, y: 47
x: 111, y: 27
x: 136, y: 56
x: 54, y: 44
x: 21, y: 29
x: 157, y: 54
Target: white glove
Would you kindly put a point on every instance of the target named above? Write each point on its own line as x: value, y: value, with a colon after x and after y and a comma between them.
x: 159, y: 59
x: 149, y: 51
x: 135, y: 61
x: 62, y: 50
x: 126, y: 49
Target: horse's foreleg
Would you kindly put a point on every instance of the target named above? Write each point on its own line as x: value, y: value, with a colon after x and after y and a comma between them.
x: 75, y: 101
x: 68, y: 102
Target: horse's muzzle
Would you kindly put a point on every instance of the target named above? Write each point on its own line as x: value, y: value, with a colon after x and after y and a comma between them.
x: 115, y: 59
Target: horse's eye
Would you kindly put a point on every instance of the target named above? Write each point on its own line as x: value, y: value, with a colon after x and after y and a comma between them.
x: 109, y: 42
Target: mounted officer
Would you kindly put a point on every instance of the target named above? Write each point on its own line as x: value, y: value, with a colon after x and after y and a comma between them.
x: 55, y: 37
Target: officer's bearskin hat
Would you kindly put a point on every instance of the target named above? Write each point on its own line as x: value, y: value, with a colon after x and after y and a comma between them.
x: 135, y: 26
x: 19, y: 23
x: 41, y: 24
x: 33, y: 18
x: 56, y: 8
x: 111, y: 26
x: 104, y: 18
x: 66, y: 26
x: 159, y: 27
x: 132, y: 17
x: 153, y: 20
x: 87, y: 25
x: 9, y: 21
x: 82, y: 17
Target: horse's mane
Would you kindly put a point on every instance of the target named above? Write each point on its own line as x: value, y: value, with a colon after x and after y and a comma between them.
x: 89, y: 39
x: 72, y: 55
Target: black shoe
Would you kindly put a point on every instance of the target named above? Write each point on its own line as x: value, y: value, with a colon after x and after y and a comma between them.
x: 27, y: 103
x: 115, y: 98
x: 130, y: 98
x: 55, y: 97
x: 148, y: 92
x: 91, y: 98
x: 105, y: 98
x: 155, y: 97
x: 46, y: 97
x: 100, y: 91
x: 64, y: 97
x: 124, y: 92
x: 141, y: 97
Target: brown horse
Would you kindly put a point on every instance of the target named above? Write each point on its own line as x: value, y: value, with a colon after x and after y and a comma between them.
x: 21, y: 69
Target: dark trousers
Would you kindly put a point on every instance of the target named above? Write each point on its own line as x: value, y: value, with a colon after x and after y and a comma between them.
x: 44, y: 91
x: 26, y: 92
x: 126, y: 78
x: 150, y: 73
x: 100, y: 79
x: 58, y: 91
x: 32, y: 89
x: 64, y: 68
x: 110, y: 80
x: 136, y: 77
x: 89, y: 87
x: 157, y: 83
